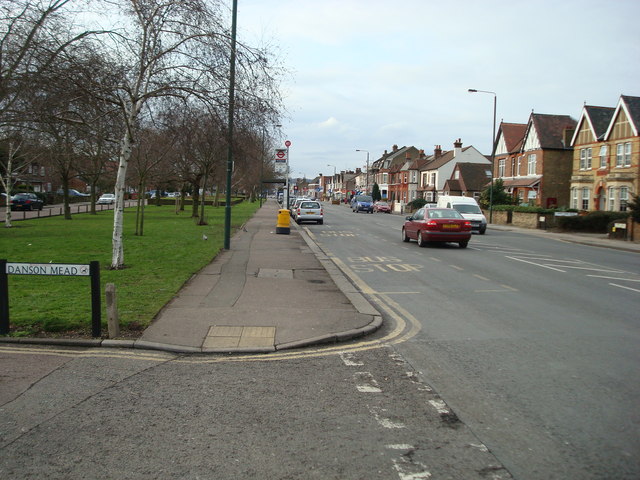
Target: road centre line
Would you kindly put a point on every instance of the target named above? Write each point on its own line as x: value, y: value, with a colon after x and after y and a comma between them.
x: 457, y: 268
x: 481, y: 277
x: 626, y: 288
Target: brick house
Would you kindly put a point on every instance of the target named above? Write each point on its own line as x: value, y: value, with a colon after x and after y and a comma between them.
x: 381, y: 168
x: 468, y: 180
x: 440, y: 166
x: 606, y: 157
x: 539, y: 173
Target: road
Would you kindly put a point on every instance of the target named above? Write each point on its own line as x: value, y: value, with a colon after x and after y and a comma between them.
x: 532, y: 342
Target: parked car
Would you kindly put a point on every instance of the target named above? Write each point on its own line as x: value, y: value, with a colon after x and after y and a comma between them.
x: 437, y: 225
x: 468, y: 208
x: 383, y: 207
x: 295, y: 204
x: 26, y: 201
x: 362, y: 203
x: 309, y: 211
x: 107, y: 199
x: 73, y: 193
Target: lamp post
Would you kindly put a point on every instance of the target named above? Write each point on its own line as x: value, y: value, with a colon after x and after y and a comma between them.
x: 358, y: 150
x: 333, y: 181
x: 493, y: 146
x: 232, y: 82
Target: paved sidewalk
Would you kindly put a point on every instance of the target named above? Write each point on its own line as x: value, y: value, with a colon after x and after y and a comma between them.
x: 268, y: 292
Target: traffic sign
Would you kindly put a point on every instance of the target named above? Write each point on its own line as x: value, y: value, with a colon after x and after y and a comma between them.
x: 287, y: 144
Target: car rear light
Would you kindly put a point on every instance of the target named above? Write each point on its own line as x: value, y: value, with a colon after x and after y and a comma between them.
x: 432, y: 223
x: 298, y: 211
x: 321, y: 211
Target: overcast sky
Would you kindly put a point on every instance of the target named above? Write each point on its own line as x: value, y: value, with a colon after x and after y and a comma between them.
x: 368, y: 74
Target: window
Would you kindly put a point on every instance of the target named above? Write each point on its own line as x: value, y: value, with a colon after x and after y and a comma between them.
x: 624, y: 198
x: 619, y: 155
x: 429, y: 197
x: 432, y: 181
x: 627, y: 154
x: 612, y: 198
x: 585, y: 199
x: 531, y: 164
x: 574, y: 198
x: 585, y: 159
x: 456, y: 175
x: 385, y: 178
x: 501, y: 163
x: 603, y: 156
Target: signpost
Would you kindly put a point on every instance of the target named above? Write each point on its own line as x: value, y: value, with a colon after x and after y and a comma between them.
x: 50, y: 269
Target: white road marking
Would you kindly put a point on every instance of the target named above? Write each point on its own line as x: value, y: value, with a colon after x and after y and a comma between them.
x: 348, y: 360
x: 383, y: 421
x: 403, y: 467
x: 615, y: 278
x: 440, y: 406
x: 536, y: 264
x: 626, y: 288
x: 400, y: 446
x: 365, y: 383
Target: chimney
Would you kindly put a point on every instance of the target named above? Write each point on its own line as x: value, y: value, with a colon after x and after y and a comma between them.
x: 457, y: 147
x: 437, y: 152
x: 421, y: 154
x: 407, y: 156
x: 395, y: 148
x: 358, y: 170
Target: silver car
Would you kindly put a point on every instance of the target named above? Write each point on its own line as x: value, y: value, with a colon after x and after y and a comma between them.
x: 309, y: 211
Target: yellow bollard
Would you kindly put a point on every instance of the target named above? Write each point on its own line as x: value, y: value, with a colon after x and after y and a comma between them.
x: 284, y: 217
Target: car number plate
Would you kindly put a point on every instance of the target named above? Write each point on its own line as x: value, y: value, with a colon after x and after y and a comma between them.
x: 309, y: 213
x: 451, y: 226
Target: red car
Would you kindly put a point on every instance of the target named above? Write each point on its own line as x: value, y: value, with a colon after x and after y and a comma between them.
x: 437, y: 225
x: 382, y: 207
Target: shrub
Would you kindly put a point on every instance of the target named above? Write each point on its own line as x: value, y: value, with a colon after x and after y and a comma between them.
x: 594, y: 222
x: 417, y: 203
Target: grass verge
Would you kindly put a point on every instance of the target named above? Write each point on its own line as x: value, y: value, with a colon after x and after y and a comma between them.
x: 157, y: 264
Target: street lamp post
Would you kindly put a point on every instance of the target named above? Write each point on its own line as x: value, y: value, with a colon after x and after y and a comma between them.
x: 358, y: 150
x: 333, y: 181
x: 493, y: 146
x: 232, y: 82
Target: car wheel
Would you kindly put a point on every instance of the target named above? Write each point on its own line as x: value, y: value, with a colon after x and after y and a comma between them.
x: 421, y: 241
x: 463, y: 244
x: 320, y: 222
x: 298, y: 221
x: 405, y: 238
x: 482, y: 232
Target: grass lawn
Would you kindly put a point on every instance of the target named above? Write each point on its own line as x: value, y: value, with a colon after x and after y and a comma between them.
x: 157, y: 264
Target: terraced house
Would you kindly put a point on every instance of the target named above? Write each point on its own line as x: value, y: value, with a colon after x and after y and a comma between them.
x: 606, y: 159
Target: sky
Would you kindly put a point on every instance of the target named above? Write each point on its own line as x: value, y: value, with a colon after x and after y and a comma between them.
x: 370, y: 74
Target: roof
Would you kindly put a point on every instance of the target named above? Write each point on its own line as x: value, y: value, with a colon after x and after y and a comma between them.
x: 598, y: 119
x: 513, y: 134
x: 631, y: 105
x: 522, y: 181
x: 473, y: 176
x: 551, y: 129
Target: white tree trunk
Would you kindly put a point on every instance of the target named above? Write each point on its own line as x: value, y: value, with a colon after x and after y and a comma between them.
x: 117, y: 252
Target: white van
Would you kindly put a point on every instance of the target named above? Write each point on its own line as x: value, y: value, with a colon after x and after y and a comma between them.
x: 468, y: 208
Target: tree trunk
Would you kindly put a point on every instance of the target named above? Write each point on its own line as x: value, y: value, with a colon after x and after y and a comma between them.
x: 117, y: 250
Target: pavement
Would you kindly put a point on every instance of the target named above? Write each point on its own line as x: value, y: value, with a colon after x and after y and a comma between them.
x: 272, y: 291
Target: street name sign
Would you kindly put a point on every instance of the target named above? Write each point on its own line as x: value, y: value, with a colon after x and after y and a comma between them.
x: 63, y: 269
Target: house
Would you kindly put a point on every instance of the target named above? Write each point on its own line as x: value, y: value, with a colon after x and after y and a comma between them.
x: 440, y: 166
x: 468, y: 180
x: 540, y: 171
x: 381, y: 168
x: 607, y: 181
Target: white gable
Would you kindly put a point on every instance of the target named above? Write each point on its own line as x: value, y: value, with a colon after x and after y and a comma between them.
x: 531, y: 142
x: 501, y: 148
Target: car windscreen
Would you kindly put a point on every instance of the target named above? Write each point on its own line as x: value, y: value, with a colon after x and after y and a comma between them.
x: 309, y: 205
x: 364, y: 198
x: 467, y: 208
